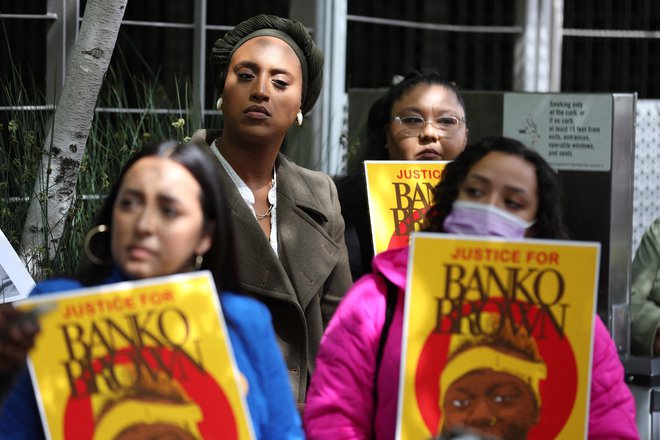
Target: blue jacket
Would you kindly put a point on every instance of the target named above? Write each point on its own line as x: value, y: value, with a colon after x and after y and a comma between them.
x: 270, y: 399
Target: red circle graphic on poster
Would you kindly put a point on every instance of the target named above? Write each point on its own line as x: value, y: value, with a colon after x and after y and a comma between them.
x: 557, y: 391
x: 173, y: 386
x: 401, y: 236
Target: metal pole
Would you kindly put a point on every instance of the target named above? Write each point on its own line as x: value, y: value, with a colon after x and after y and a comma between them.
x: 60, y: 40
x: 557, y: 41
x: 333, y: 145
x: 199, y: 64
x: 526, y: 47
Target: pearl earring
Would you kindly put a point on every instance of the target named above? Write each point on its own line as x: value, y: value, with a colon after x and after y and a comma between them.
x: 218, y: 104
x: 299, y: 118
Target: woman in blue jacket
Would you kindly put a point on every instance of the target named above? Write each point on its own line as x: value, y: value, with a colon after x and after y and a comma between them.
x: 167, y: 214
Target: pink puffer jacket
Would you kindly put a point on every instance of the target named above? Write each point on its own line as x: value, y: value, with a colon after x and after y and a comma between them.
x: 340, y: 401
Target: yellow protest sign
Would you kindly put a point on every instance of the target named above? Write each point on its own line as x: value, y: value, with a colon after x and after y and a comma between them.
x: 138, y: 357
x: 500, y: 331
x: 400, y: 192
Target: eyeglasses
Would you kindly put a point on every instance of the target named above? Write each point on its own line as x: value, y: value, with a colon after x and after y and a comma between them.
x: 412, y: 125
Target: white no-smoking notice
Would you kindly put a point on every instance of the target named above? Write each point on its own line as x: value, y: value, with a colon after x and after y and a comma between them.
x: 570, y: 131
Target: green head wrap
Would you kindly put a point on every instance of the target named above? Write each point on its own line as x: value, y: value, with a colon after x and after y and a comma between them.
x: 294, y: 33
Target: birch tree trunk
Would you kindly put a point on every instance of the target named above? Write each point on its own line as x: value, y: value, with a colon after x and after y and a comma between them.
x: 55, y: 186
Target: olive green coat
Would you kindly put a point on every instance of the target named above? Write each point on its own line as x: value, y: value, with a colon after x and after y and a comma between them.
x: 302, y: 287
x: 645, y: 291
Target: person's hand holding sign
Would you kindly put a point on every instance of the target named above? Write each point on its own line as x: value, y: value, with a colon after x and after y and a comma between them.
x: 17, y: 333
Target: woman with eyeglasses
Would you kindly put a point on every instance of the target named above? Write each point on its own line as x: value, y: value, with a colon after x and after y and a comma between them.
x: 422, y: 117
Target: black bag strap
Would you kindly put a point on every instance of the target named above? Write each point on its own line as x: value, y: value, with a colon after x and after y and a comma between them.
x: 390, y: 305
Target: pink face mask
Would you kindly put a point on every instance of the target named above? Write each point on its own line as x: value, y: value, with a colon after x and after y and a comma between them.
x: 471, y: 218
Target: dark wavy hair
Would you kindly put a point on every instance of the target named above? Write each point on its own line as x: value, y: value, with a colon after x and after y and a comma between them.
x: 380, y: 113
x: 219, y: 259
x: 549, y: 220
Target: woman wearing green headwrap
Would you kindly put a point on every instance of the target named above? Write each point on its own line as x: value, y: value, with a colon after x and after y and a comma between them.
x: 290, y: 242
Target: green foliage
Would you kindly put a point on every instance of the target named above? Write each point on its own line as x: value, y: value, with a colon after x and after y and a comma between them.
x: 114, y: 136
x: 21, y: 139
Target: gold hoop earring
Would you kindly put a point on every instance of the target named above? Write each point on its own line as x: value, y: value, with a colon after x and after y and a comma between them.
x: 218, y: 104
x: 199, y: 259
x: 299, y: 118
x: 98, y: 229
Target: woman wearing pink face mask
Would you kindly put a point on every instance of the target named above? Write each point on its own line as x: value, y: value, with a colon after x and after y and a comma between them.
x: 497, y: 187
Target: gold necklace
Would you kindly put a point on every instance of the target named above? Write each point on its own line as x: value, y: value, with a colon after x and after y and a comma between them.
x: 265, y: 214
x: 270, y: 205
x: 272, y: 183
